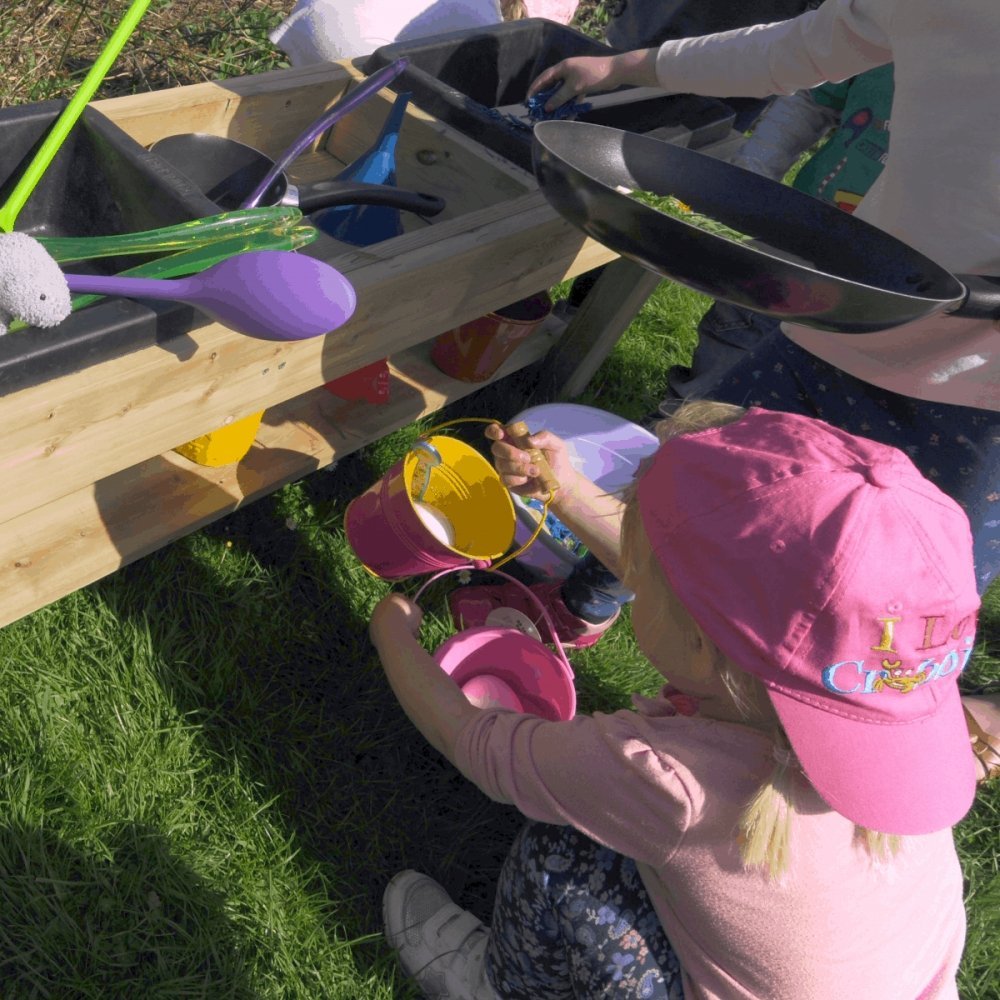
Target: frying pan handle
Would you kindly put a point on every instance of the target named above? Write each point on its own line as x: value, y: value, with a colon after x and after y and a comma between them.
x: 982, y: 300
x: 327, y: 193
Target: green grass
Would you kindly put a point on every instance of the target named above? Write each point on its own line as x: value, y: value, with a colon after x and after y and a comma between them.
x: 47, y: 49
x: 204, y: 780
x: 206, y: 783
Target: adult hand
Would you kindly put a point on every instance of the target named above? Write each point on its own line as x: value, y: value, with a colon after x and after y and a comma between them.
x: 516, y: 469
x: 395, y: 615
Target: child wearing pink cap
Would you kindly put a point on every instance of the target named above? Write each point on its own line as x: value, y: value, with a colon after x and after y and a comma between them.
x: 777, y: 823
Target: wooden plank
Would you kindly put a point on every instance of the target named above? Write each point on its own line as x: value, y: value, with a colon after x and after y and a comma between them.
x: 54, y: 549
x: 267, y: 110
x: 72, y: 431
x: 604, y: 315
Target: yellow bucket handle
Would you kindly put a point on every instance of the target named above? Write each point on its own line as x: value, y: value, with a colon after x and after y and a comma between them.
x: 545, y: 507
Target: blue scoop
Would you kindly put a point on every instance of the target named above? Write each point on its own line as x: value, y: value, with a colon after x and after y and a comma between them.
x: 363, y: 225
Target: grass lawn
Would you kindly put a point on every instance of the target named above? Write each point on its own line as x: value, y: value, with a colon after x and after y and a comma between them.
x: 204, y: 780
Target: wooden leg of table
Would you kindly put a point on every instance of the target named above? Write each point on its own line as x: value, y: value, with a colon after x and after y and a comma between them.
x: 604, y: 315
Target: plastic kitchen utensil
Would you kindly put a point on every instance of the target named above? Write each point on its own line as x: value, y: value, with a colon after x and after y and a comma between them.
x: 364, y: 225
x: 201, y: 257
x: 178, y: 265
x: 344, y: 106
x: 184, y: 235
x: 67, y: 119
x: 268, y: 294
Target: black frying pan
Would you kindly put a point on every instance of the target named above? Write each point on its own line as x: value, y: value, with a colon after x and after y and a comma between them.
x: 228, y: 171
x: 820, y: 267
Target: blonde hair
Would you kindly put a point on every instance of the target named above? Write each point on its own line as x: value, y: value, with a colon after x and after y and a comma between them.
x: 513, y: 10
x: 764, y: 832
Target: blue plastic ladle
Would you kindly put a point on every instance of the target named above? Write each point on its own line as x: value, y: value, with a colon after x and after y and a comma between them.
x: 344, y: 106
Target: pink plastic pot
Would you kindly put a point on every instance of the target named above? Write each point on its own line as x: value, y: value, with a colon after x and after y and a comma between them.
x: 474, y: 351
x: 508, y: 667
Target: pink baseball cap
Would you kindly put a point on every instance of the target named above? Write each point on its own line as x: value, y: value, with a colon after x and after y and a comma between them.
x: 826, y: 565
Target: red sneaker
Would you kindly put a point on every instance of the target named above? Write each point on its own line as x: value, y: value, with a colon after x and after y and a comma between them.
x: 506, y: 605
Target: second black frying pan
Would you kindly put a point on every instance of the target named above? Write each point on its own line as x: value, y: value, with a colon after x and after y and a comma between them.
x: 810, y: 262
x: 227, y: 172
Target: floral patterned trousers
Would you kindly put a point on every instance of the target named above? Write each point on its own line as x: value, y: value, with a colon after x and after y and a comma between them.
x: 572, y: 919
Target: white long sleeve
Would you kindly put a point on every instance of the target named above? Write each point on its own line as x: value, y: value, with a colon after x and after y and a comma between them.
x: 940, y: 189
x: 837, y: 40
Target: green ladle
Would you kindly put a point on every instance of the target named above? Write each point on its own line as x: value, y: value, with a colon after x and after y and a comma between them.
x: 182, y: 236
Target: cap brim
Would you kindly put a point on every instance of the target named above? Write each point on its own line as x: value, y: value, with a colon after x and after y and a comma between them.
x: 908, y: 779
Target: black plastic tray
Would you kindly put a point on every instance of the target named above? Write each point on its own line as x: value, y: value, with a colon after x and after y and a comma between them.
x: 460, y: 76
x: 101, y: 182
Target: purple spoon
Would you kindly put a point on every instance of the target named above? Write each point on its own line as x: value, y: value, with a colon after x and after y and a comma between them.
x: 268, y: 294
x: 344, y: 106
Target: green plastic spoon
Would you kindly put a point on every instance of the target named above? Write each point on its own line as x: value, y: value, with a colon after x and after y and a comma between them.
x: 68, y: 117
x: 182, y: 236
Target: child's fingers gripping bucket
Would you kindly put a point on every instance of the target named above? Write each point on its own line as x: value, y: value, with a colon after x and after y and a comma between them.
x: 506, y: 668
x: 606, y: 448
x: 407, y: 525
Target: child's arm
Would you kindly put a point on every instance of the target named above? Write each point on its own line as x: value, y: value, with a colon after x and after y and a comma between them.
x: 431, y: 699
x: 835, y: 41
x: 593, y: 515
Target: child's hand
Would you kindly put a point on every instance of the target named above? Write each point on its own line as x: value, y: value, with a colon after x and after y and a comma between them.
x: 516, y: 469
x: 393, y: 616
x: 582, y: 74
x: 576, y: 76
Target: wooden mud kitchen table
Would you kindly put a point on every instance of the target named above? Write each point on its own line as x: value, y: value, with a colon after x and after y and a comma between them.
x: 91, y: 479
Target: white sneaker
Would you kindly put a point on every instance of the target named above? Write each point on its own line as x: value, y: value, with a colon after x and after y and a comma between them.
x: 440, y: 945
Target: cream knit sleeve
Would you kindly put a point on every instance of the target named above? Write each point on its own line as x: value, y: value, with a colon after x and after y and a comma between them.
x: 837, y: 40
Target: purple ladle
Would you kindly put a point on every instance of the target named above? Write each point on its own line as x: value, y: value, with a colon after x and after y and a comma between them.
x: 344, y: 106
x: 268, y: 294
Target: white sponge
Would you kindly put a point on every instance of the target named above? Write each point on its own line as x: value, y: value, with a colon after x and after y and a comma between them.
x: 32, y: 287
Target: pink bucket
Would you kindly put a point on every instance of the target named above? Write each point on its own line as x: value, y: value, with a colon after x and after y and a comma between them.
x: 530, y: 670
x: 385, y: 528
x: 509, y: 668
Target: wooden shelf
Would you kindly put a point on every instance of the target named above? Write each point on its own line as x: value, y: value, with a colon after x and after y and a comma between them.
x: 54, y: 549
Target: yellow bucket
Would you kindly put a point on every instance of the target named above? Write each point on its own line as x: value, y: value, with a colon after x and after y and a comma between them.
x: 225, y: 445
x: 476, y: 519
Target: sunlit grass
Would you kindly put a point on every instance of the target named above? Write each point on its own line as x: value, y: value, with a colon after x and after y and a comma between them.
x: 205, y: 782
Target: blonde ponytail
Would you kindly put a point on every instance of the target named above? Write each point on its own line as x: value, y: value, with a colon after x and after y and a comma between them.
x: 765, y: 827
x: 513, y: 10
